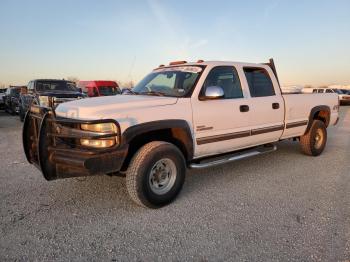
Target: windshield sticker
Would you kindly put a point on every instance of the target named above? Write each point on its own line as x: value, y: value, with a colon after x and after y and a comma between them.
x: 186, y: 69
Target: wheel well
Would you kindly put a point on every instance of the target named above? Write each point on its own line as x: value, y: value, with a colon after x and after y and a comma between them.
x: 176, y: 136
x: 322, y: 115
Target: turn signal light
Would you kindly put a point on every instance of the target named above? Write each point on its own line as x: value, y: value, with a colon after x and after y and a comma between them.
x: 97, y: 143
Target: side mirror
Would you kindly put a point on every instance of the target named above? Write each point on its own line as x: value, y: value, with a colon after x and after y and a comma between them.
x: 214, y: 92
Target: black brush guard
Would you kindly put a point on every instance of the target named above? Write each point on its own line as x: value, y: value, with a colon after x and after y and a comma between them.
x: 52, y: 144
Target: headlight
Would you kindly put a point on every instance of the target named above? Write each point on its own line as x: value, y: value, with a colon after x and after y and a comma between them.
x: 44, y: 101
x: 101, y: 128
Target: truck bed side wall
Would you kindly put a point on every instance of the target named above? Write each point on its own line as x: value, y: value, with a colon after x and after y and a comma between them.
x: 298, y: 109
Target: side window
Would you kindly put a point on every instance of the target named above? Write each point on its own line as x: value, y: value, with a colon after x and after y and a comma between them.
x: 227, y: 78
x: 314, y: 91
x: 320, y: 91
x: 259, y: 82
x: 329, y: 91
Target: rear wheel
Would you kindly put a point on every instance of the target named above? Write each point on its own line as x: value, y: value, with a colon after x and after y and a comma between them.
x: 314, y: 141
x: 156, y: 174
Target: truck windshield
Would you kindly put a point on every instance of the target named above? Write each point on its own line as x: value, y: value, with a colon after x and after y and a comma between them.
x: 169, y: 81
x: 55, y: 86
x: 15, y: 91
x: 108, y: 90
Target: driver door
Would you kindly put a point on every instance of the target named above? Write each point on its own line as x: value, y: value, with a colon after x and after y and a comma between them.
x: 221, y: 125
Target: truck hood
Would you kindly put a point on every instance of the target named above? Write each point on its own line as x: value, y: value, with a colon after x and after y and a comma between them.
x: 105, y: 106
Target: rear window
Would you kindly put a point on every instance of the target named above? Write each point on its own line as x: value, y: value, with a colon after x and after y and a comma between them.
x: 259, y: 82
x: 55, y: 86
x: 108, y: 90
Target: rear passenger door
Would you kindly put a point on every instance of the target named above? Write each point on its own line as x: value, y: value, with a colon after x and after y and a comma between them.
x: 266, y: 105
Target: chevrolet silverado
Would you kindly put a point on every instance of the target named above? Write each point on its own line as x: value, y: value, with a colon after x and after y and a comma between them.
x: 183, y: 115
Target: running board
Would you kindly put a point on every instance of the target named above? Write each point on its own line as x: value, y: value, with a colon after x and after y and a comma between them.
x: 214, y: 161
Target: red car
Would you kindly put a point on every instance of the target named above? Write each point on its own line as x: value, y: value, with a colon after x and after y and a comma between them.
x: 99, y: 88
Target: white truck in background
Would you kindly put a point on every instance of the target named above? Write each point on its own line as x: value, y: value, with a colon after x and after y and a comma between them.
x: 343, y: 94
x: 184, y: 115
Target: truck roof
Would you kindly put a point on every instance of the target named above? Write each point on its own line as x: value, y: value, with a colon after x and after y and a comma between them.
x: 56, y: 80
x: 213, y: 63
x: 98, y: 83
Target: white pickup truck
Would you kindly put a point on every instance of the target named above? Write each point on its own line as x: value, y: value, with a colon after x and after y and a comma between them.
x: 184, y: 115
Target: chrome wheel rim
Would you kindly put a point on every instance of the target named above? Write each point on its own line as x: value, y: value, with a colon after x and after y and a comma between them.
x: 162, y: 177
x: 319, y: 137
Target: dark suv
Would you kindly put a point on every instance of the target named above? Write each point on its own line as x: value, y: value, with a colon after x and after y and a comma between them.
x: 11, y: 99
x: 2, y: 95
x: 40, y: 90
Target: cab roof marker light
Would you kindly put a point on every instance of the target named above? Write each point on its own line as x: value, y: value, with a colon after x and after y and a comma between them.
x: 177, y: 62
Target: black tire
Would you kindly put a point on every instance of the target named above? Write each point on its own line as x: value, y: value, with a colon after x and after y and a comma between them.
x: 314, y: 141
x: 144, y: 170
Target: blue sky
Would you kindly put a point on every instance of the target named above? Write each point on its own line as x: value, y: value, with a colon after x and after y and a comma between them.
x: 124, y: 40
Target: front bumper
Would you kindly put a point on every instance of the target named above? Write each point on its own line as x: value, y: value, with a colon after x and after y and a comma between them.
x: 50, y: 143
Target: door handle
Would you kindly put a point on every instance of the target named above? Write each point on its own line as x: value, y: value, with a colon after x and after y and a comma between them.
x: 275, y: 105
x: 244, y: 108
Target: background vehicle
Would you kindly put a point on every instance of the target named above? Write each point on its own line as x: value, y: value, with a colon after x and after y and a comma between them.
x: 40, y: 90
x: 99, y: 88
x: 2, y: 94
x: 11, y: 99
x: 345, y: 91
x: 344, y: 97
x: 194, y: 115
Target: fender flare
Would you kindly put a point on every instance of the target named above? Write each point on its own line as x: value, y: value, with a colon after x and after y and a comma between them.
x: 178, y: 124
x: 314, y: 111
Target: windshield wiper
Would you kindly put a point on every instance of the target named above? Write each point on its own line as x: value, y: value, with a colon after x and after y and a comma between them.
x: 129, y: 92
x: 155, y: 93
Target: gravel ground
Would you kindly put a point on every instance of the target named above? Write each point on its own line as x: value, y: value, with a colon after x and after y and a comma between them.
x: 281, y: 206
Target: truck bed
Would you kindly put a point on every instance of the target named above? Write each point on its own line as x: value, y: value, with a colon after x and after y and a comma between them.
x: 297, y: 104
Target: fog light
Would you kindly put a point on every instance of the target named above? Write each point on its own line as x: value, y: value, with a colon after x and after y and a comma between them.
x: 98, y: 143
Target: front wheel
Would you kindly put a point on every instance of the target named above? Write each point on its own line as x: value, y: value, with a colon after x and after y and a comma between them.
x: 314, y: 141
x: 156, y: 174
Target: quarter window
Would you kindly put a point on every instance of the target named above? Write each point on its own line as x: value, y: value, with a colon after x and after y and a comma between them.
x: 259, y: 82
x: 227, y: 78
